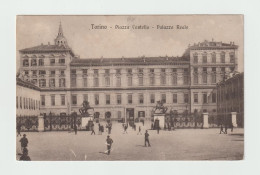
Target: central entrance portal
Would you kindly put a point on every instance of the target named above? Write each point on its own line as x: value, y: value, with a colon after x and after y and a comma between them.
x: 130, y: 115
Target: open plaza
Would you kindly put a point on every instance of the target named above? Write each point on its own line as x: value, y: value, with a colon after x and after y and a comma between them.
x: 179, y: 144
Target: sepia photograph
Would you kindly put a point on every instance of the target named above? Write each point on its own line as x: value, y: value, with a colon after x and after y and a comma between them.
x: 129, y: 87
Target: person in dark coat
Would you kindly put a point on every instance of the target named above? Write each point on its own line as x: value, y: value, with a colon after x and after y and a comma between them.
x: 146, y: 138
x: 139, y: 132
x: 99, y: 129
x: 24, y: 142
x: 221, y: 129
x: 109, y: 142
x: 75, y: 129
x: 18, y: 128
x: 226, y: 127
x: 25, y: 156
x: 92, y: 129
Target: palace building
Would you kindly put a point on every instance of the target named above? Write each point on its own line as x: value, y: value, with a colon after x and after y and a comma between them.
x: 127, y: 87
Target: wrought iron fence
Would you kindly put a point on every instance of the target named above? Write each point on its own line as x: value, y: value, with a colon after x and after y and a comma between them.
x: 27, y: 123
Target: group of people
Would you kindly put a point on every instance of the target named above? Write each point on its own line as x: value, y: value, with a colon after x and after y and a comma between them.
x: 24, y: 143
x: 226, y: 128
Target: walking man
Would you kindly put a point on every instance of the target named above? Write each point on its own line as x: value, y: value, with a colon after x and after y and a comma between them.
x: 139, y: 132
x: 221, y: 129
x: 146, y: 138
x: 125, y: 129
x: 109, y: 142
x: 24, y: 142
x: 75, y: 129
x: 92, y: 129
x: 226, y: 127
x: 18, y: 127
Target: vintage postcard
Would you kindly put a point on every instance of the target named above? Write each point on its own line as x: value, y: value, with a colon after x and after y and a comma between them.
x: 140, y: 87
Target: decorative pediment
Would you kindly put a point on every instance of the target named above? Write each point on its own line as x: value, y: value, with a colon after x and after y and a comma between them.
x: 25, y: 56
x: 41, y: 56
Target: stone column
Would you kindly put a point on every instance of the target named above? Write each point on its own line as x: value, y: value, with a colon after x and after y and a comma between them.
x: 205, y: 120
x: 234, y: 119
x: 40, y: 123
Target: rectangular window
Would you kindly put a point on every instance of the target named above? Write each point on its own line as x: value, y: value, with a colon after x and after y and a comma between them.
x: 196, y: 98
x: 204, y: 58
x: 141, y: 81
x: 214, y: 98
x: 85, y: 97
x: 42, y: 100
x: 232, y: 58
x: 52, y: 61
x: 73, y: 82
x: 96, y: 99
x: 152, y: 98
x: 118, y: 81
x: 185, y: 80
x: 84, y: 71
x: 195, y: 57
x: 74, y: 99
x: 42, y: 72
x: 96, y: 82
x: 174, y: 79
x: 41, y: 62
x: 62, y: 82
x: 42, y: 83
x: 52, y: 82
x: 163, y: 79
x: 107, y: 99
x: 25, y: 62
x: 129, y: 81
x: 73, y: 71
x: 196, y: 79
x: 141, y: 98
x: 163, y: 70
x: 62, y: 97
x: 62, y: 73
x: 52, y: 73
x: 129, y: 71
x: 118, y: 98
x: 213, y: 77
x: 118, y: 71
x: 151, y: 70
x: 53, y: 100
x: 21, y: 102
x: 222, y: 57
x: 140, y: 71
x: 129, y: 97
x: 175, y: 100
x: 213, y: 58
x: 205, y: 98
x: 33, y: 62
x: 85, y: 82
x: 163, y: 98
x: 107, y: 81
x: 186, y: 98
x: 62, y: 61
x: 152, y: 80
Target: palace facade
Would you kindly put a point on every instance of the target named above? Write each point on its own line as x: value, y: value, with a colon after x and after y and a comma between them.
x: 127, y: 87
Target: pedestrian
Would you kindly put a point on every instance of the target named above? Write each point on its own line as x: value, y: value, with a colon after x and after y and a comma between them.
x: 158, y: 129
x: 99, y: 129
x: 109, y: 128
x: 93, y: 130
x: 109, y: 142
x: 24, y: 142
x: 146, y: 138
x: 18, y: 128
x: 232, y: 126
x: 139, y: 131
x: 75, y: 129
x: 152, y: 126
x: 226, y: 128
x: 125, y: 129
x: 221, y: 129
x: 25, y: 156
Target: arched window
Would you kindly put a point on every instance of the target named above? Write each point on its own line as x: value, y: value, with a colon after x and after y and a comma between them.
x: 204, y: 57
x: 195, y: 57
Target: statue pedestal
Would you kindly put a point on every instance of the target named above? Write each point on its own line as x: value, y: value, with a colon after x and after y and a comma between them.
x: 161, y: 118
x: 40, y: 123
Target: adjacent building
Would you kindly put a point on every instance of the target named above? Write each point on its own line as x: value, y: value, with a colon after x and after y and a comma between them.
x: 231, y: 97
x: 128, y: 87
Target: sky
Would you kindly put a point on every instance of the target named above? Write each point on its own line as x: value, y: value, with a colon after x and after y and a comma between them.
x: 115, y: 43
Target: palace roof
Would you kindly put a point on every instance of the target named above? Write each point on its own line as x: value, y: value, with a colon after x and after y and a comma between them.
x: 47, y: 48
x: 129, y: 61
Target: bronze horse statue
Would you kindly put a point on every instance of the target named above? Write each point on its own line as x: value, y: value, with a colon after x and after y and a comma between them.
x: 84, y: 110
x: 159, y: 106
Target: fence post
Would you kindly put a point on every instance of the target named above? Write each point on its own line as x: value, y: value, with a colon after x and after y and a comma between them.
x: 205, y: 120
x: 40, y: 123
x: 234, y: 119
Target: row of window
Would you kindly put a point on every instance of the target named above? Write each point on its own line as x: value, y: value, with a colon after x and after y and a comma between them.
x: 27, y: 103
x: 43, y: 72
x: 42, y: 82
x: 41, y: 62
x: 74, y: 99
x: 129, y: 71
x: 213, y: 57
x: 130, y: 81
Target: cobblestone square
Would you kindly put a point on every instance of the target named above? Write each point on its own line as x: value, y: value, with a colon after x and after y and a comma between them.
x: 180, y: 144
